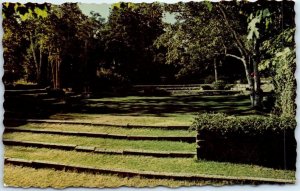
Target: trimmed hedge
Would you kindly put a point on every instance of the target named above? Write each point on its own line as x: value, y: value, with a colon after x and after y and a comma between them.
x: 267, y: 141
x: 247, y: 125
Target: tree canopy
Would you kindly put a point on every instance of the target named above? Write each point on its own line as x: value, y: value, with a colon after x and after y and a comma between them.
x: 59, y: 46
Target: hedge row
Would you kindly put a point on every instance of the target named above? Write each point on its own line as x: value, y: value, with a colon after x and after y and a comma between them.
x: 261, y: 140
x: 247, y: 125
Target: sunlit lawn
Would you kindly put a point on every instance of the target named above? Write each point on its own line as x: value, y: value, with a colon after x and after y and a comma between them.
x: 109, y: 130
x: 31, y: 177
x: 142, y: 163
x: 104, y: 143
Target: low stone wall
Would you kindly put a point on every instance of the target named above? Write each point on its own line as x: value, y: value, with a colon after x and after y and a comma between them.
x: 270, y: 149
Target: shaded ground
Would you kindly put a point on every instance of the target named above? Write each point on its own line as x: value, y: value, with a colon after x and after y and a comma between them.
x: 38, y: 104
x: 165, y: 106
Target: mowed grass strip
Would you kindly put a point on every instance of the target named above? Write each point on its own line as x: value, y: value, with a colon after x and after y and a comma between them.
x: 113, y: 144
x: 31, y: 177
x: 114, y: 119
x: 110, y: 130
x: 142, y: 163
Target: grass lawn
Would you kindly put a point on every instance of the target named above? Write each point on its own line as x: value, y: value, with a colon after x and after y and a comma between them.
x: 142, y: 163
x: 153, y: 110
x: 30, y: 177
x: 113, y: 144
x: 142, y: 110
x: 110, y: 130
x: 172, y: 119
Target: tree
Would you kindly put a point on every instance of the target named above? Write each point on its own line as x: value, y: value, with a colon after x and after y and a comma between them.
x: 16, y: 37
x: 204, y: 29
x: 280, y: 62
x: 57, y: 41
x: 129, y: 36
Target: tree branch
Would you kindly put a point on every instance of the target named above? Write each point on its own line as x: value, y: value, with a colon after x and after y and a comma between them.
x: 235, y: 35
x: 236, y: 57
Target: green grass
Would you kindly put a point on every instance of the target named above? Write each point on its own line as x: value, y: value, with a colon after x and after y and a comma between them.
x: 154, y: 110
x: 30, y: 177
x: 117, y: 119
x: 142, y: 163
x: 114, y: 144
x: 110, y: 130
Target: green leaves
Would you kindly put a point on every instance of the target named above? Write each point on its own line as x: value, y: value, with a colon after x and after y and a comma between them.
x: 25, y: 11
x: 254, y: 30
x: 209, y: 5
x: 249, y: 125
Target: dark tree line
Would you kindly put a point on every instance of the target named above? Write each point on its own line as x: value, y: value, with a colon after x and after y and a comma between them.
x: 59, y: 46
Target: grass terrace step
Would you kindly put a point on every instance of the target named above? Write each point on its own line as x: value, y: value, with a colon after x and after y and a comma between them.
x: 104, y: 135
x: 145, y: 163
x: 114, y: 144
x: 98, y: 150
x: 73, y: 122
x: 146, y: 174
x: 107, y: 129
x: 20, y: 176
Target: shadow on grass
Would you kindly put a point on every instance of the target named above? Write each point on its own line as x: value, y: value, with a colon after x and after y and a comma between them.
x: 40, y: 105
x: 164, y: 106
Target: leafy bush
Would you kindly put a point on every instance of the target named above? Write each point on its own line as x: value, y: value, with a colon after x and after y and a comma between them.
x: 281, y: 63
x: 247, y: 125
x: 228, y: 86
x: 206, y: 87
x: 219, y: 85
x: 209, y: 79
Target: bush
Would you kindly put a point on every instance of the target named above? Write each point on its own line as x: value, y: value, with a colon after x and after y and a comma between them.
x: 206, y: 87
x: 228, y: 86
x: 247, y: 125
x: 219, y: 85
x: 267, y: 141
x: 209, y: 79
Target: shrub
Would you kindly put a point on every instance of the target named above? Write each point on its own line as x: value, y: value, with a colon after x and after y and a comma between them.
x: 261, y: 140
x: 228, y: 86
x: 209, y: 79
x: 247, y: 125
x: 219, y: 85
x: 206, y: 87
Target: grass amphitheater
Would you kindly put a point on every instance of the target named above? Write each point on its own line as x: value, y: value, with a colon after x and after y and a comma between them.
x: 118, y: 141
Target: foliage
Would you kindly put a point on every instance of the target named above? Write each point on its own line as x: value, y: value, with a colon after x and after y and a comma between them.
x: 259, y: 17
x: 47, y: 44
x: 219, y: 85
x: 228, y: 86
x: 280, y: 61
x: 248, y: 125
x: 206, y: 87
x: 129, y: 36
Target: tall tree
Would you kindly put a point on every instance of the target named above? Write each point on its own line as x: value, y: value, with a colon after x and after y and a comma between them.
x: 130, y: 33
x: 204, y: 30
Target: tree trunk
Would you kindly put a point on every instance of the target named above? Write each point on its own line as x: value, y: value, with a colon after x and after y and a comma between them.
x: 250, y: 82
x: 53, y: 72
x: 215, y: 69
x: 36, y: 64
x: 248, y: 76
x: 57, y: 80
x: 257, y: 90
x: 40, y: 64
x: 86, y: 83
